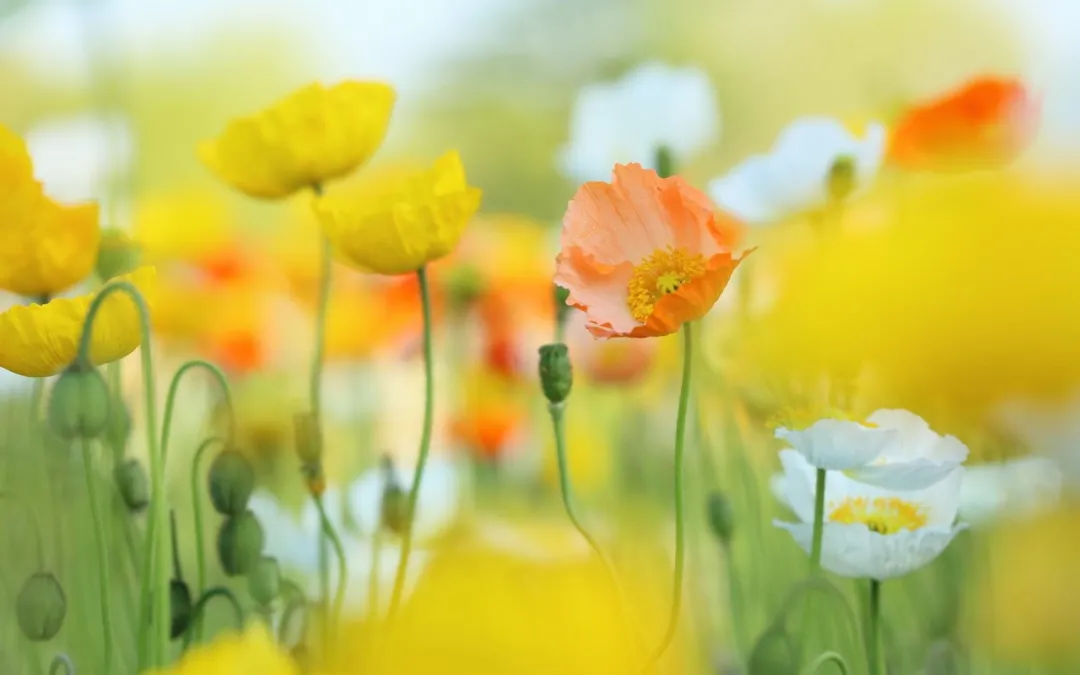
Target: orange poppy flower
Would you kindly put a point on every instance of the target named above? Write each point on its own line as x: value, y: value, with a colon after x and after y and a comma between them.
x: 985, y: 124
x: 643, y: 255
x: 492, y: 412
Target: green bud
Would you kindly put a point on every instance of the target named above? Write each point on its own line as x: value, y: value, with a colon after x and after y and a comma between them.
x: 308, y: 439
x: 721, y: 519
x: 41, y: 607
x: 232, y: 480
x: 665, y: 162
x: 117, y: 254
x: 119, y: 427
x: 240, y: 542
x: 180, y: 608
x: 774, y: 654
x: 133, y: 484
x: 840, y: 182
x: 556, y: 374
x: 79, y: 404
x: 394, y: 510
x: 264, y: 580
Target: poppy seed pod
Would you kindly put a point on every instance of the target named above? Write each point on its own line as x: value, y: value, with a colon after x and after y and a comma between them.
x: 180, y: 608
x: 394, y: 509
x: 117, y: 254
x: 41, y: 607
x: 264, y: 580
x: 240, y: 542
x: 232, y: 480
x: 133, y: 485
x: 556, y: 373
x: 721, y: 519
x: 665, y: 162
x: 119, y: 427
x: 774, y: 653
x: 842, y: 177
x: 79, y: 404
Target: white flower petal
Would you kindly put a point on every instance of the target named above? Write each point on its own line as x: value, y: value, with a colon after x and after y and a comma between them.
x: 436, y: 506
x: 746, y: 192
x: 838, y: 444
x: 1016, y: 489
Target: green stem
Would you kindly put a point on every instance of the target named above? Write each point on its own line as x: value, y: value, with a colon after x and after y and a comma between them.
x: 373, y: 578
x: 326, y: 269
x: 873, y: 658
x: 826, y: 657
x: 102, y: 554
x: 818, y: 583
x: 200, y: 607
x: 157, y: 546
x: 197, y: 508
x: 343, y: 565
x: 296, y: 601
x: 174, y: 386
x: 62, y: 662
x: 680, y: 515
x: 739, y: 617
x: 425, y: 446
x: 557, y: 411
x: 35, y: 524
x: 819, y: 522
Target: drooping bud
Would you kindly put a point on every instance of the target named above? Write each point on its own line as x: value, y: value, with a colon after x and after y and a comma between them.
x: 394, y: 509
x: 133, y: 485
x: 774, y: 654
x: 264, y: 580
x: 79, y: 404
x: 180, y: 608
x: 840, y: 182
x: 721, y: 519
x: 240, y: 543
x: 118, y: 429
x: 41, y: 607
x: 308, y: 438
x: 556, y: 373
x: 232, y: 480
x: 117, y: 254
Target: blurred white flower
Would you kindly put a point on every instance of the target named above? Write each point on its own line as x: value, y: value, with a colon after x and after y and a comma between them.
x: 893, y: 449
x: 436, y: 506
x: 1051, y: 430
x: 628, y: 120
x: 871, y: 532
x: 814, y: 161
x: 1014, y: 489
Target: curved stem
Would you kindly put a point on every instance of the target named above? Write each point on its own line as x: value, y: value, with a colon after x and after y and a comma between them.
x: 31, y: 515
x: 62, y: 662
x: 200, y: 606
x: 196, y: 506
x: 680, y: 515
x: 425, y: 446
x: 557, y: 410
x: 157, y: 546
x: 873, y: 658
x: 326, y: 271
x: 297, y: 601
x: 174, y: 386
x: 102, y: 553
x: 819, y: 522
x: 343, y: 566
x: 820, y: 584
x: 826, y: 657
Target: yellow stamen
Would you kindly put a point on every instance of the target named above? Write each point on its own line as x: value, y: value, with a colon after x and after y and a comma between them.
x: 884, y: 515
x: 663, y: 272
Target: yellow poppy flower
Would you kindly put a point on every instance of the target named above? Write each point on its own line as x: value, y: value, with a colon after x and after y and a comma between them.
x: 45, y: 247
x: 399, y: 224
x: 41, y: 340
x: 253, y: 651
x: 313, y: 135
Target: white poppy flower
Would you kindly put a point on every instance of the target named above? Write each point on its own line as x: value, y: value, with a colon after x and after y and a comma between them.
x: 894, y: 449
x: 628, y: 120
x: 1014, y: 489
x: 871, y: 532
x: 812, y: 157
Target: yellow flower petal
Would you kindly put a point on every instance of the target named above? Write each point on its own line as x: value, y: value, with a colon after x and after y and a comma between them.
x: 253, y: 651
x: 15, y: 164
x: 314, y: 135
x: 400, y: 227
x: 41, y: 340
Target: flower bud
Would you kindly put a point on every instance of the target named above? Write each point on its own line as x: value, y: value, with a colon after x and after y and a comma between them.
x: 840, y: 182
x: 232, y: 480
x: 79, y: 404
x: 240, y: 542
x: 117, y: 254
x: 665, y: 162
x: 721, y: 519
x: 133, y: 485
x: 118, y: 429
x: 556, y: 374
x: 774, y: 654
x: 308, y: 438
x: 41, y: 607
x: 394, y: 510
x: 264, y: 580
x: 180, y: 608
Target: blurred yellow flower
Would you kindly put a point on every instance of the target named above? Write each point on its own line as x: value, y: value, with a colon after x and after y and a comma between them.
x: 400, y: 223
x: 45, y: 247
x: 41, y: 340
x: 314, y: 135
x: 253, y: 651
x: 182, y: 225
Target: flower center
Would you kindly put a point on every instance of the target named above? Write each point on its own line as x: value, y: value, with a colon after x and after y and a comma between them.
x: 884, y: 515
x: 663, y: 272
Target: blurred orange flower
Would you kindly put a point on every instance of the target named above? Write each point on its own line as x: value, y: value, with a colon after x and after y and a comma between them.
x: 985, y: 124
x: 492, y: 412
x: 367, y: 313
x: 643, y: 255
